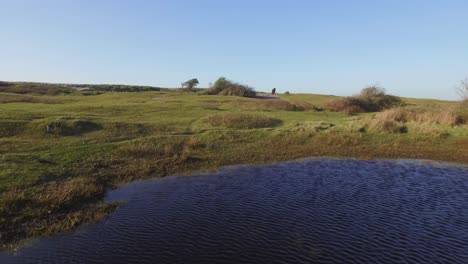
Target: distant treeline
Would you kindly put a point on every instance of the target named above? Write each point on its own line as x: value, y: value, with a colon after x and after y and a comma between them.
x: 56, y: 89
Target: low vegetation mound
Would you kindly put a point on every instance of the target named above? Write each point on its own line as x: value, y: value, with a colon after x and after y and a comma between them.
x: 278, y: 104
x: 371, y: 99
x: 57, y: 89
x: 114, y: 88
x: 63, y: 126
x: 34, y: 88
x: 14, y: 98
x: 312, y: 126
x: 242, y: 121
x: 402, y: 115
x: 224, y: 86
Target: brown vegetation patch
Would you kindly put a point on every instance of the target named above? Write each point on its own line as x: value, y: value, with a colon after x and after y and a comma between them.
x: 388, y: 126
x: 451, y: 118
x: 278, y: 104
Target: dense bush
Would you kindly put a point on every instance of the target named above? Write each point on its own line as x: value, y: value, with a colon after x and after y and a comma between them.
x: 371, y: 99
x: 349, y: 105
x: 375, y: 99
x: 224, y: 86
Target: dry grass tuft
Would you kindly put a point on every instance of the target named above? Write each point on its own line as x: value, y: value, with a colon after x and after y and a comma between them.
x: 312, y: 127
x: 57, y: 195
x: 451, y: 118
x: 388, y: 126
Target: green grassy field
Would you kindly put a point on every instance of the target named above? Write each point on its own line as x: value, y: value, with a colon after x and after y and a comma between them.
x: 59, y: 154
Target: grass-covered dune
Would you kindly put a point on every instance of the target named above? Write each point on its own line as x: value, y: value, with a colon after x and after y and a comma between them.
x: 61, y: 151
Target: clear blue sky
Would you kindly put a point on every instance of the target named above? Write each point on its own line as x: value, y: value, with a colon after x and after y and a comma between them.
x: 415, y: 48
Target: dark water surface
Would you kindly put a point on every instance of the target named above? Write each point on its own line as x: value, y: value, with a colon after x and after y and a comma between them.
x: 313, y: 211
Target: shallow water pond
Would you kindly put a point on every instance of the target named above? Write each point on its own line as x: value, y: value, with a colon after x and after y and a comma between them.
x: 311, y: 211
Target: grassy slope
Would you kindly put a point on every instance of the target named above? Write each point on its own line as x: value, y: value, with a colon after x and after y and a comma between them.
x: 53, y: 182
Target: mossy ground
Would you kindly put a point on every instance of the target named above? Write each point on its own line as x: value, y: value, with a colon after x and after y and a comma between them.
x: 51, y: 181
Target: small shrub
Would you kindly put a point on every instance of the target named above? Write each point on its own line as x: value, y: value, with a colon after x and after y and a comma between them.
x: 242, y: 121
x: 224, y: 86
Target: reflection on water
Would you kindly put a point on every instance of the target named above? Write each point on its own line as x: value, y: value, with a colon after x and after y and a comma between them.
x: 313, y: 211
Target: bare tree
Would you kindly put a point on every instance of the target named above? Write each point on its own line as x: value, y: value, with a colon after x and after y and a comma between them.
x: 462, y: 89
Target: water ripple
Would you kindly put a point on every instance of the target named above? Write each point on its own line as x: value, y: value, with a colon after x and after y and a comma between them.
x: 313, y: 211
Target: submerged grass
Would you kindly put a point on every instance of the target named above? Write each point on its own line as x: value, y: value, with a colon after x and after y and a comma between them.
x: 56, y: 162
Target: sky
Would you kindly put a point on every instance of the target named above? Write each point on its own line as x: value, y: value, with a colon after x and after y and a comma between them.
x: 412, y: 48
